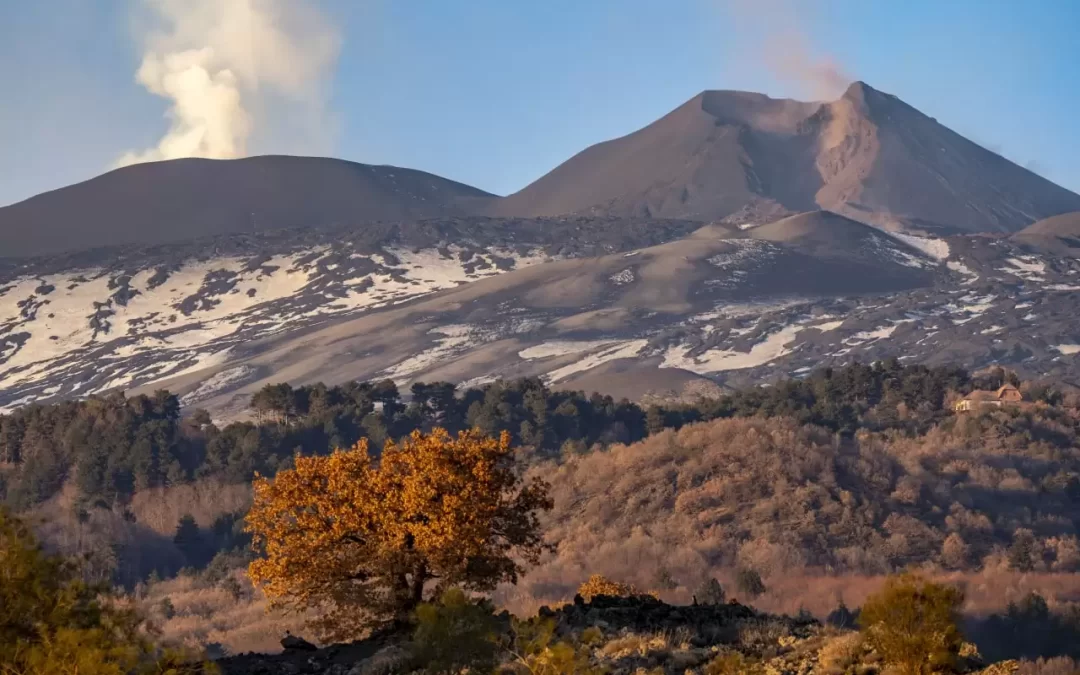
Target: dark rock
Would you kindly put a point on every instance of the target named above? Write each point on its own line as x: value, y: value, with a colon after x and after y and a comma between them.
x: 293, y: 642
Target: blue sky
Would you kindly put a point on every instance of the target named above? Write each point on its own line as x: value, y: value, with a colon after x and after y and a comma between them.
x: 495, y: 93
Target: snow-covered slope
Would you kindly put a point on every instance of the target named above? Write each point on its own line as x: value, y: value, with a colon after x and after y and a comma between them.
x: 734, y: 306
x: 87, y: 330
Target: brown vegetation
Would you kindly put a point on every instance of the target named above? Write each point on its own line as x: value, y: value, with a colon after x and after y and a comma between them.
x: 994, y: 490
x: 914, y: 624
x: 361, y: 541
x: 194, y: 612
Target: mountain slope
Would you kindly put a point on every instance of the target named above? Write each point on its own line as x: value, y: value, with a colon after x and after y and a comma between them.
x: 241, y: 313
x: 867, y: 155
x: 1059, y: 233
x: 188, y: 198
x: 682, y: 305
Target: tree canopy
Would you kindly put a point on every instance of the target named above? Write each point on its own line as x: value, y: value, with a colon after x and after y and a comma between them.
x: 365, y: 539
x: 112, y: 446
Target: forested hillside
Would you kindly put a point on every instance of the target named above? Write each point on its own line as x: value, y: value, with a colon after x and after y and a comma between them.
x: 112, y: 446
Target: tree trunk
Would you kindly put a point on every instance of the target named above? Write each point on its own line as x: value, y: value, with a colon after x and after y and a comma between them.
x: 420, y: 577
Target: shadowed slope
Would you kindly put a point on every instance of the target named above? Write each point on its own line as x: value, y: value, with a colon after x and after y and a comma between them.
x: 188, y: 198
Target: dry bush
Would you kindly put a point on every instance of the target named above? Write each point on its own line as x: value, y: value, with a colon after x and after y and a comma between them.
x: 1060, y: 665
x: 840, y: 653
x: 598, y: 584
x: 127, y: 542
x: 790, y: 500
x: 109, y: 543
x: 914, y: 624
x: 204, y: 500
x: 206, y: 614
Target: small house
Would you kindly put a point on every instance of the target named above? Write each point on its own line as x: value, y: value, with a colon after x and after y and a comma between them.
x: 1005, y: 395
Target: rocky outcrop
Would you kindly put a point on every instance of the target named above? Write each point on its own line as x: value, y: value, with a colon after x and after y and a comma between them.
x: 644, y: 614
x: 637, y: 634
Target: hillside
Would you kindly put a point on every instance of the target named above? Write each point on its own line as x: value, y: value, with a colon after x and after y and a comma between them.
x: 982, y: 501
x: 867, y: 155
x: 184, y: 199
x: 1058, y: 234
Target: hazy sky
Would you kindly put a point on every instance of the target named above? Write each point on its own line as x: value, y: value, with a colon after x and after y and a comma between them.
x: 494, y: 93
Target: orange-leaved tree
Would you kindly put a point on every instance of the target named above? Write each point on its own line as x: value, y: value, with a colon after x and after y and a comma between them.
x: 365, y: 541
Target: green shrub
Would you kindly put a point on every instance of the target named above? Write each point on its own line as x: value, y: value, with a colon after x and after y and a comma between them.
x: 51, y: 621
x: 914, y: 624
x: 536, y: 651
x: 455, y: 634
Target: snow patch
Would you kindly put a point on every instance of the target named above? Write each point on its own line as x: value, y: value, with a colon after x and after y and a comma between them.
x: 456, y: 337
x: 1027, y: 267
x: 217, y: 383
x: 156, y: 324
x: 828, y: 325
x: 935, y: 248
x: 547, y: 350
x: 716, y: 360
x: 620, y: 350
x: 961, y: 268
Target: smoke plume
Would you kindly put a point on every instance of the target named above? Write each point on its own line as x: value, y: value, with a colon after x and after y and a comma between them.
x: 230, y: 69
x: 786, y: 48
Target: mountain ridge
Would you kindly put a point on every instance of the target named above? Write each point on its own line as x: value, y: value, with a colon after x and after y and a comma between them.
x: 867, y: 155
x: 722, y: 155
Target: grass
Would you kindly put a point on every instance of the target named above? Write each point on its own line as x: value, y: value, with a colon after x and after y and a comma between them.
x: 206, y: 614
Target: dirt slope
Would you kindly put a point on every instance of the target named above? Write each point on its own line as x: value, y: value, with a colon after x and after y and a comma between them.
x: 867, y: 155
x: 1060, y: 234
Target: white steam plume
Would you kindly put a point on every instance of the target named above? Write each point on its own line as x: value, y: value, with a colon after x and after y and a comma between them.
x: 786, y: 47
x: 227, y: 66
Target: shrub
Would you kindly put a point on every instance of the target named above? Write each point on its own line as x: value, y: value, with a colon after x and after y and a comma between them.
x: 733, y: 663
x: 841, y: 653
x: 710, y: 593
x: 598, y: 584
x: 455, y: 634
x: 536, y: 651
x: 749, y: 583
x: 914, y: 624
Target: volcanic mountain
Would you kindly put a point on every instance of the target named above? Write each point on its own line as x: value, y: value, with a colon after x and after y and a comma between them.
x: 181, y: 199
x: 867, y: 155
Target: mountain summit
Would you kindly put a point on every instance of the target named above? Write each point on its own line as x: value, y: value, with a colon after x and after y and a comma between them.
x: 867, y: 155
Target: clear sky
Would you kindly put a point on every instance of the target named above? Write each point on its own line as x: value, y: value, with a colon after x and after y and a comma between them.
x: 495, y: 93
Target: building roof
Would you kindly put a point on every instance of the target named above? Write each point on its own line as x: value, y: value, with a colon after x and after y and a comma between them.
x: 999, y: 395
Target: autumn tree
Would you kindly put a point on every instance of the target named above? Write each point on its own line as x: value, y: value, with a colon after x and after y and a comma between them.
x: 370, y: 541
x: 914, y: 624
